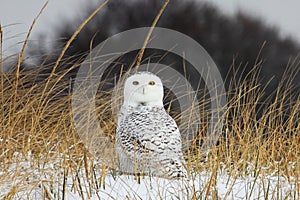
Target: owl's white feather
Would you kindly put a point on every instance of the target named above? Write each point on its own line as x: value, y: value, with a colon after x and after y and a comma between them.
x: 148, y: 139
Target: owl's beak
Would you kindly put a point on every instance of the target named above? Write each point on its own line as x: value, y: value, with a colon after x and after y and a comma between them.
x: 142, y: 90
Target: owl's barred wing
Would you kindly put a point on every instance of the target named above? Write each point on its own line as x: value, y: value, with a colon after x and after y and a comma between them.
x: 142, y: 145
x: 151, y: 141
x: 162, y: 138
x: 138, y: 145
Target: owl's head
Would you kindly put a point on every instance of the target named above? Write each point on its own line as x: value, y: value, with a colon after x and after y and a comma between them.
x: 143, y: 88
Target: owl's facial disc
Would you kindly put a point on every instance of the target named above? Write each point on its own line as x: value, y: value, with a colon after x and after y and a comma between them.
x: 144, y: 89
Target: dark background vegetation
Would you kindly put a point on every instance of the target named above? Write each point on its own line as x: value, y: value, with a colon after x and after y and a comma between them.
x: 240, y: 40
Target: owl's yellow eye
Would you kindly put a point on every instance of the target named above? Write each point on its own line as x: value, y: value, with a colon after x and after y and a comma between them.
x: 135, y: 82
x: 151, y: 83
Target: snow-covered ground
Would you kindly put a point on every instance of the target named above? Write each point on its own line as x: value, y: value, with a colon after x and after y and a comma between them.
x: 25, y: 179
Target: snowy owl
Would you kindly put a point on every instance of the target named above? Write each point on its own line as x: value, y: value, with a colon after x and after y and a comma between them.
x: 148, y: 140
